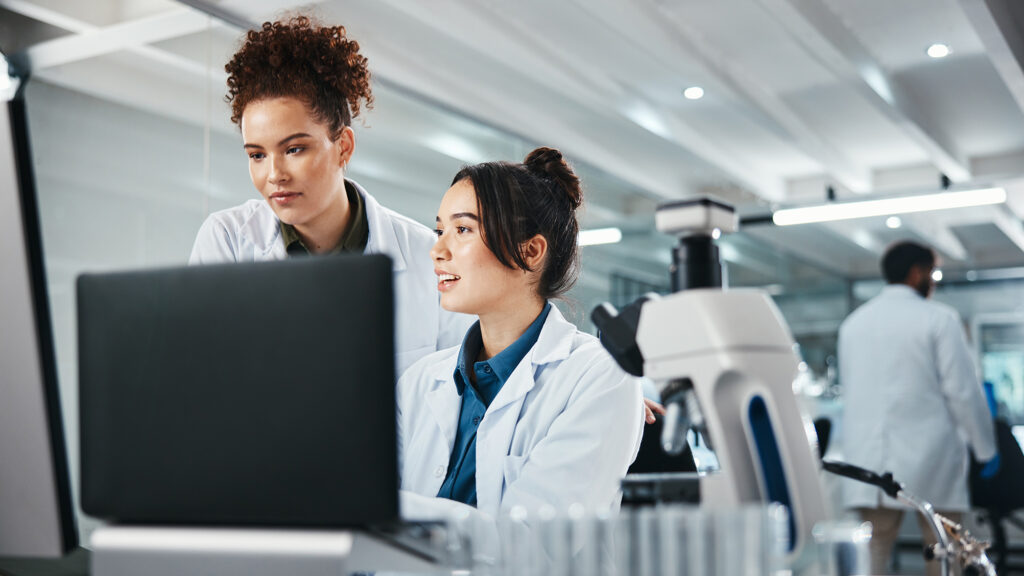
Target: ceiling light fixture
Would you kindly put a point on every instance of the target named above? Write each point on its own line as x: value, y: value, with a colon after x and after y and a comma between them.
x: 600, y: 236
x: 939, y: 51
x: 693, y: 93
x: 893, y: 222
x: 889, y: 206
x: 457, y: 147
x: 937, y: 275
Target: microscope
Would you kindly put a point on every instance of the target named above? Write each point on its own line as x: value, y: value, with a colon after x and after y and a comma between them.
x: 724, y: 363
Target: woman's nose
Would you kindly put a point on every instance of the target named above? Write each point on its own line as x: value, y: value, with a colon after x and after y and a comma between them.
x: 439, y: 251
x: 277, y: 172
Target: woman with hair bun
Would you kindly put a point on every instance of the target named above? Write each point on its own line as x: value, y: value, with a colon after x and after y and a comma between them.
x: 294, y: 87
x: 529, y: 411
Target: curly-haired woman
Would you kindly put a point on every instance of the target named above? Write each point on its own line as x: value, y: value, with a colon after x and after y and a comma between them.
x: 294, y: 88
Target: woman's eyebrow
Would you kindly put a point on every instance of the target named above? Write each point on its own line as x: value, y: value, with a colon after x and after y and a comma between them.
x: 469, y: 215
x: 294, y: 136
x: 284, y: 141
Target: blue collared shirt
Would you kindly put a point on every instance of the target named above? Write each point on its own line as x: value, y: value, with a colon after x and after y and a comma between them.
x: 491, y: 375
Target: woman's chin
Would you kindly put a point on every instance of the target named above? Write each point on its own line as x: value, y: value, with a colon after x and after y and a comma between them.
x: 453, y: 304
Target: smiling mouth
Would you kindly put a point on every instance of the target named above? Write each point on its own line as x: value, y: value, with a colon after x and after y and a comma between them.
x: 284, y: 196
x: 447, y: 279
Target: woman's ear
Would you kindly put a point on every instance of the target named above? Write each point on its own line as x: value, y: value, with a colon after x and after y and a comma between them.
x: 534, y: 251
x: 346, y: 144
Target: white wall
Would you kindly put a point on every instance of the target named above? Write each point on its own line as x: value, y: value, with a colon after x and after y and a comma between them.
x: 117, y: 189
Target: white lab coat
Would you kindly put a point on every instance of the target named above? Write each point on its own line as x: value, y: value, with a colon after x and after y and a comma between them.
x: 563, y: 429
x: 252, y: 232
x: 912, y: 401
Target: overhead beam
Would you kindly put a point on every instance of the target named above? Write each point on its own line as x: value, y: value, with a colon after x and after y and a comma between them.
x: 523, y: 108
x: 779, y: 116
x: 545, y: 63
x: 995, y: 25
x: 937, y: 231
x: 46, y: 15
x: 1009, y: 225
x: 825, y: 38
x: 59, y: 20
x: 114, y: 38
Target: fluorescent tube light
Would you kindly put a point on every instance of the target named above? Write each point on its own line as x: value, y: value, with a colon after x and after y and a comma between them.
x: 600, y: 236
x: 889, y: 206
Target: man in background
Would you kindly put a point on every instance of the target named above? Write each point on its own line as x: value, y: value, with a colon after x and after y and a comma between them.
x: 913, y: 403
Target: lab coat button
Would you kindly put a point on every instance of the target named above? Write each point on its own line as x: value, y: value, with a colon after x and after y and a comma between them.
x: 439, y: 471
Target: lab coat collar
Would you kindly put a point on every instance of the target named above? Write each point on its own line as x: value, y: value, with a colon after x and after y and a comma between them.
x: 263, y: 231
x: 382, y: 238
x: 900, y: 290
x: 553, y: 344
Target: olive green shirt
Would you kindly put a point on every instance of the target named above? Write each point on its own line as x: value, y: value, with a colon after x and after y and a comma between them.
x: 354, y: 239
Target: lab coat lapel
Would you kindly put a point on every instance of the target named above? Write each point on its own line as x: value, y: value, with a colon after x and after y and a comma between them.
x: 444, y: 402
x: 382, y: 238
x: 499, y: 424
x: 263, y: 232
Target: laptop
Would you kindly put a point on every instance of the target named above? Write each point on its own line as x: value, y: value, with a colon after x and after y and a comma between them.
x: 258, y: 394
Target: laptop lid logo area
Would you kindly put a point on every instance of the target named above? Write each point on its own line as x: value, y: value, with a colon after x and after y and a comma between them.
x: 243, y: 394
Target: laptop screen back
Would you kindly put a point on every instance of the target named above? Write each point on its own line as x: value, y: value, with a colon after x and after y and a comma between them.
x: 240, y: 394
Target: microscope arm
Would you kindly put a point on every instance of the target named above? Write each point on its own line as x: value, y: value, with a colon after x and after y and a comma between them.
x: 954, y: 542
x: 891, y: 487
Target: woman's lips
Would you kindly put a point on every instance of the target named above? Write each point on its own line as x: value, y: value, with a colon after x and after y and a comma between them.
x: 284, y: 198
x: 446, y: 281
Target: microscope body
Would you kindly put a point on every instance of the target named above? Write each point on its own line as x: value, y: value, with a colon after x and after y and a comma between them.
x: 733, y: 350
x: 730, y: 352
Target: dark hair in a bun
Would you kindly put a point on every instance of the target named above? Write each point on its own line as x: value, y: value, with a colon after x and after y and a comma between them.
x: 549, y: 163
x: 301, y: 59
x: 518, y: 201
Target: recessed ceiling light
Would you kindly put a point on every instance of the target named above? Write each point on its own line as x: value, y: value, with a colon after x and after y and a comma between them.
x: 939, y: 51
x: 893, y: 222
x: 694, y: 93
x: 937, y: 275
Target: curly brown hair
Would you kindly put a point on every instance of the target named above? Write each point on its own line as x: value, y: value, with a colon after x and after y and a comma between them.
x: 299, y: 58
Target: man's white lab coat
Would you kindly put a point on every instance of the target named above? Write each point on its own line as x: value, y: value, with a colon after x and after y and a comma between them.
x: 912, y: 399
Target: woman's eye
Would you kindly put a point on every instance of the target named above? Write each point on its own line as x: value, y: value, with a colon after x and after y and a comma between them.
x: 462, y: 229
x: 295, y: 149
x: 438, y: 233
x: 256, y: 155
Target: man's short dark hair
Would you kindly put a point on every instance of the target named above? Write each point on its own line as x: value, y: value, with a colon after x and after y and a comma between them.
x: 902, y: 256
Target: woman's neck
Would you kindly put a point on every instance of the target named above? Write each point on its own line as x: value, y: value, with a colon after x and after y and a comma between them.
x: 324, y: 232
x: 500, y: 328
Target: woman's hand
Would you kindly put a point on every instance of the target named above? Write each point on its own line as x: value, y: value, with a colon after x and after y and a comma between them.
x: 650, y: 407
